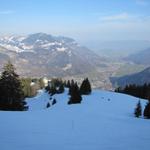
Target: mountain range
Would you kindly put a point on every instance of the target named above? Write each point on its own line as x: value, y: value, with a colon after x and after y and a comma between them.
x: 142, y: 57
x: 139, y: 78
x: 42, y: 54
x: 118, y: 48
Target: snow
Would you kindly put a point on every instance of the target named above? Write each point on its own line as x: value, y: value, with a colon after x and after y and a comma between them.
x: 47, y: 45
x: 68, y: 66
x: 26, y: 47
x: 69, y: 53
x: 103, y: 121
x: 23, y: 47
x: 21, y: 38
x: 38, y: 102
x: 11, y: 47
x: 7, y: 38
x: 38, y: 41
x: 62, y: 49
x: 16, y: 43
x: 12, y: 39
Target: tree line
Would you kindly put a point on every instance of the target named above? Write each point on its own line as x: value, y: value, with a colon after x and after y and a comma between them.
x: 141, y: 91
x: 14, y: 90
x: 57, y: 86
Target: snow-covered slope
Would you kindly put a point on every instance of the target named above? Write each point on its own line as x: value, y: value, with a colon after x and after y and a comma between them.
x: 104, y: 121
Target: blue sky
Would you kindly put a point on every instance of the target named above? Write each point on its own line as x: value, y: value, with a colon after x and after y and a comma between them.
x: 84, y: 20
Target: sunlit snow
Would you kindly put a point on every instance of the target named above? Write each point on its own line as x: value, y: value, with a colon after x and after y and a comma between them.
x: 103, y: 121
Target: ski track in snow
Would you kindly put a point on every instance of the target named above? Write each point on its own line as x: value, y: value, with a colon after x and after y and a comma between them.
x: 103, y: 121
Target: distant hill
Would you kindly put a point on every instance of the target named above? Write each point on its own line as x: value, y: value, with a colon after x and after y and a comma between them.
x: 120, y: 48
x: 142, y: 57
x: 137, y: 78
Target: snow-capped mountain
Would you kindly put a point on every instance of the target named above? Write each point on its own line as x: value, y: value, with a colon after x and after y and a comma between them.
x: 32, y: 42
x: 43, y: 54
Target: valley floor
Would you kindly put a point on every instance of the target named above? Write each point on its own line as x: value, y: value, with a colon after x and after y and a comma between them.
x: 103, y: 121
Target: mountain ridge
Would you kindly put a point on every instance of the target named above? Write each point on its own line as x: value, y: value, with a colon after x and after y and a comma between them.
x: 41, y: 54
x: 139, y: 78
x: 141, y: 57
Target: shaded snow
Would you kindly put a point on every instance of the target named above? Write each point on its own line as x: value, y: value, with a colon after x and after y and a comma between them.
x: 104, y: 121
x: 38, y: 102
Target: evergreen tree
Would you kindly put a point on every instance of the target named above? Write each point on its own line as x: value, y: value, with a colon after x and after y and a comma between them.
x: 52, y: 89
x: 71, y: 86
x: 147, y: 111
x: 54, y: 102
x: 85, y: 87
x: 138, y: 110
x: 48, y: 105
x: 70, y: 89
x: 47, y: 88
x: 11, y: 90
x: 61, y: 88
x: 68, y: 84
x: 65, y: 83
x: 142, y: 91
x: 75, y: 95
x: 72, y: 82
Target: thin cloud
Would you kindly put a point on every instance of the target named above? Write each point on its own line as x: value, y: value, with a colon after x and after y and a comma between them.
x: 6, y: 12
x: 117, y: 17
x: 142, y: 2
x: 124, y: 17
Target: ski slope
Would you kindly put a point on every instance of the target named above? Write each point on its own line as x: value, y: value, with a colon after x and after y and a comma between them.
x: 103, y: 121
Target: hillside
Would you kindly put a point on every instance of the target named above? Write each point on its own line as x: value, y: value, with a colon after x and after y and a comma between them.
x: 42, y: 54
x: 139, y: 78
x: 104, y: 121
x: 141, y: 57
